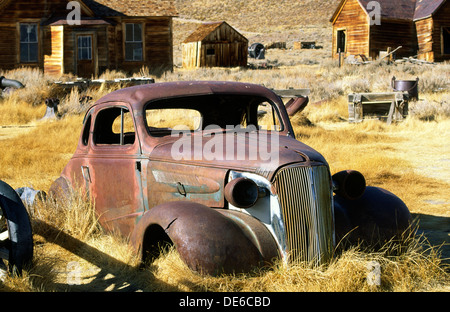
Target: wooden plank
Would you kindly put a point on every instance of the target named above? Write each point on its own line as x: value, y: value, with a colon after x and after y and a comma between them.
x: 292, y: 92
x: 376, y: 97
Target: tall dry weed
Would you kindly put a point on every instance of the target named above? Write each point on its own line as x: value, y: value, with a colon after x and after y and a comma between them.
x: 416, y: 268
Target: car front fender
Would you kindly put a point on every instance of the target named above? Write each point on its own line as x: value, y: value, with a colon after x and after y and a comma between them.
x: 378, y: 216
x: 210, y: 241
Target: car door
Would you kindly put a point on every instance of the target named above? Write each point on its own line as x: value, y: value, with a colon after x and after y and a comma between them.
x: 113, y: 169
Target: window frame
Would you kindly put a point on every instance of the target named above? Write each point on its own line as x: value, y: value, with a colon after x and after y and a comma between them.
x: 132, y: 42
x: 90, y: 48
x: 121, y: 144
x: 28, y: 43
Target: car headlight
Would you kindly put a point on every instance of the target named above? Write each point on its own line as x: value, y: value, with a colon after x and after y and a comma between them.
x: 243, y: 192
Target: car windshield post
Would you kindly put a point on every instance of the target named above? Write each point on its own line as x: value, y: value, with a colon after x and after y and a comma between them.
x: 121, y: 127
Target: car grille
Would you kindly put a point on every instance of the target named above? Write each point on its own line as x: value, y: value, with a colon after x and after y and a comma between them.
x: 305, y: 198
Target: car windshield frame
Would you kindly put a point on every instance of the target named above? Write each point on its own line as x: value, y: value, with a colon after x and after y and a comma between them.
x: 216, y: 110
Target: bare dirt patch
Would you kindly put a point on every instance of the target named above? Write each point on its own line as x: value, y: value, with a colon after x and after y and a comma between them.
x: 9, y: 132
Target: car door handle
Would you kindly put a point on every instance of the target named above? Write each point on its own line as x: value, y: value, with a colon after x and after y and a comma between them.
x: 86, y: 174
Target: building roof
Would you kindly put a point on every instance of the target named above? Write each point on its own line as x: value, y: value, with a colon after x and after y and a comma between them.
x: 202, y: 31
x: 205, y: 29
x: 399, y: 9
x: 426, y: 8
x: 110, y: 8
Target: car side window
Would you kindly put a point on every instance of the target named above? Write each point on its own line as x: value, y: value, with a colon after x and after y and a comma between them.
x: 87, y: 128
x: 114, y: 126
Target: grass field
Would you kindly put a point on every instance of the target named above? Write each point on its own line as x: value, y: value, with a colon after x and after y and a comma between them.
x: 411, y: 159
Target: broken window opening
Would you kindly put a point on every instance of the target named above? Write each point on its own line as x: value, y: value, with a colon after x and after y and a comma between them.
x: 114, y: 126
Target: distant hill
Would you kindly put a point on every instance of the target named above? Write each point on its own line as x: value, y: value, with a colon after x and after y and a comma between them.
x: 262, y: 21
x: 258, y: 15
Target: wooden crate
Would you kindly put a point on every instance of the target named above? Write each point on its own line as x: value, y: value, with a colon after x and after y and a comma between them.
x: 389, y: 106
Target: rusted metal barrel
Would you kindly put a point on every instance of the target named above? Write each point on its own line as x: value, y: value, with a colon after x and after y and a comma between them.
x: 411, y: 86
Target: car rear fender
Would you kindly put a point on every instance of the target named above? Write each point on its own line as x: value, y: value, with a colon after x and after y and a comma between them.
x: 210, y: 241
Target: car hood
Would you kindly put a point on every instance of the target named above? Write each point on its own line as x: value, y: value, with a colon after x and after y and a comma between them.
x: 259, y: 152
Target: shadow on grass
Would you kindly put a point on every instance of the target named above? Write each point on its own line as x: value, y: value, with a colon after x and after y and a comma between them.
x: 437, y: 231
x: 111, y: 275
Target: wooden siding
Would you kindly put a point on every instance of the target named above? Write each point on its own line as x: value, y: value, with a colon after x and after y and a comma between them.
x: 8, y: 46
x: 224, y: 33
x: 54, y: 51
x: 225, y: 54
x: 191, y: 54
x: 158, y: 46
x: 354, y: 20
x: 440, y: 19
x: 392, y: 34
x: 424, y: 30
x: 158, y: 39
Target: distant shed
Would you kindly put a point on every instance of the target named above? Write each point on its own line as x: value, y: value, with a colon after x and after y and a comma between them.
x: 215, y: 44
x: 421, y: 27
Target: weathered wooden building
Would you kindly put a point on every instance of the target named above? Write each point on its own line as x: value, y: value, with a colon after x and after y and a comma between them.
x: 86, y: 37
x: 432, y: 20
x: 215, y: 44
x: 365, y: 27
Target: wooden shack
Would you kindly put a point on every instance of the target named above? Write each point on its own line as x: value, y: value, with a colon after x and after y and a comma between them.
x: 215, y: 44
x: 107, y: 34
x: 418, y: 26
x: 432, y: 20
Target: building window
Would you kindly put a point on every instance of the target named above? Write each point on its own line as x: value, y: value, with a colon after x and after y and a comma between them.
x: 85, y: 48
x: 210, y: 52
x: 133, y: 42
x: 341, y: 40
x: 445, y: 40
x: 28, y: 43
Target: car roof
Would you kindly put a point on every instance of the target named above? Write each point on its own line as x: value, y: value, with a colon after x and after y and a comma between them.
x: 138, y: 96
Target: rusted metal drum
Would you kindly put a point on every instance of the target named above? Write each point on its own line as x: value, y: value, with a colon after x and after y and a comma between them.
x: 411, y: 86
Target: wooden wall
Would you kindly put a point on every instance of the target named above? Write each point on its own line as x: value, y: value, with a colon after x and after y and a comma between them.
x: 355, y: 21
x: 392, y: 34
x: 191, y: 54
x: 54, y: 50
x: 8, y: 46
x: 440, y: 19
x: 231, y: 54
x: 158, y: 42
x: 424, y: 30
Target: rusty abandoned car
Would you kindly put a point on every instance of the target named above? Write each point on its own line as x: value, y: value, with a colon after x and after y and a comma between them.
x: 214, y: 168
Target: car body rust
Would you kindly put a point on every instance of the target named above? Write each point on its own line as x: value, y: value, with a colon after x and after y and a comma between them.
x: 145, y: 192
